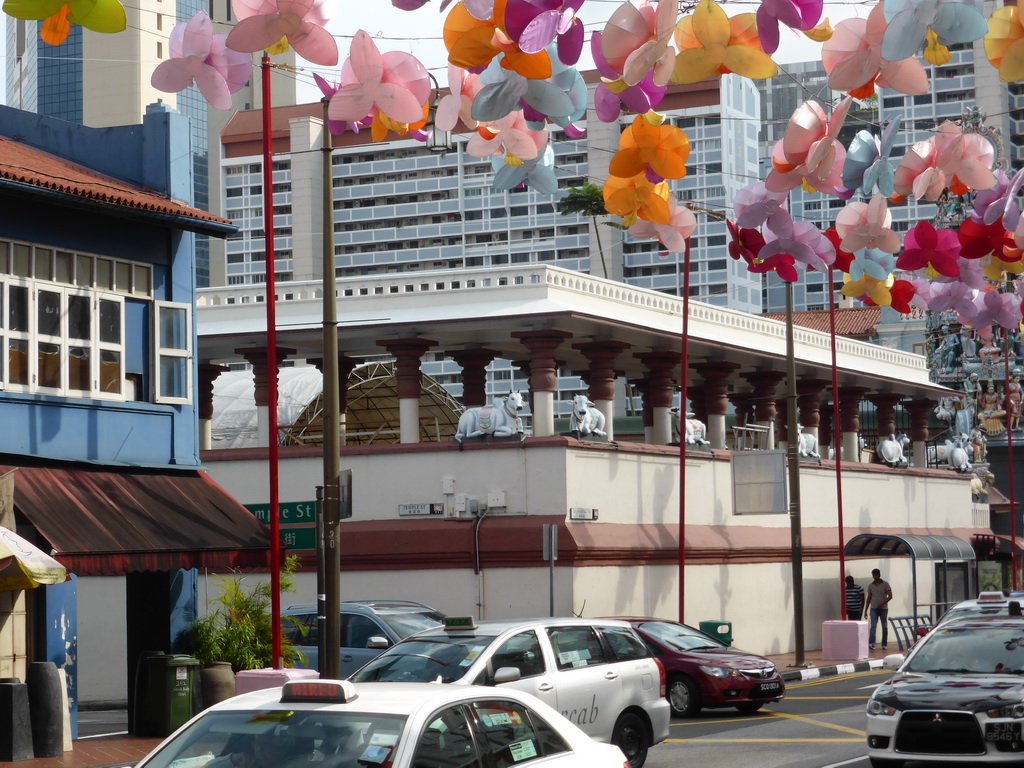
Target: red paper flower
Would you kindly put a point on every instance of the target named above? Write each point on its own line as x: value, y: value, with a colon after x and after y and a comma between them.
x: 979, y: 240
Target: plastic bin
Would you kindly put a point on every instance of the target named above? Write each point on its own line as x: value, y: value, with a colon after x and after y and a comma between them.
x: 721, y: 630
x: 169, y: 704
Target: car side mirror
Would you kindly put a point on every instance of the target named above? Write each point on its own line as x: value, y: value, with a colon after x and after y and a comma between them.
x: 893, y: 661
x: 378, y: 641
x: 506, y: 675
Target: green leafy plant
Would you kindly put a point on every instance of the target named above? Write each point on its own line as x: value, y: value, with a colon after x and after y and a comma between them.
x: 588, y: 201
x: 239, y: 629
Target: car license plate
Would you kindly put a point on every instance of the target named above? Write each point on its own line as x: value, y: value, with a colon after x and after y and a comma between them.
x: 1002, y: 731
x: 764, y: 689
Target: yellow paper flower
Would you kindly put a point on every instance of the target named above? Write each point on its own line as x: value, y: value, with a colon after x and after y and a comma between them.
x: 716, y: 48
x: 935, y: 52
x: 879, y: 291
x: 662, y: 148
x: 636, y: 197
x: 820, y: 33
x: 1003, y: 43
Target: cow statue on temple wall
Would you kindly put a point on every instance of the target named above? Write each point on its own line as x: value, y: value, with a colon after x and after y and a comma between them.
x: 499, y: 419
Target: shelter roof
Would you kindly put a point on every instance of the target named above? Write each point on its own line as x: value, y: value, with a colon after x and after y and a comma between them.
x: 850, y: 321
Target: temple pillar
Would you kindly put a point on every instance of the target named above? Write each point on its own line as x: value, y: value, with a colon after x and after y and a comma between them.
x: 600, y: 377
x: 346, y: 365
x: 716, y: 401
x: 259, y: 359
x: 407, y: 354
x: 885, y: 413
x: 208, y: 373
x: 660, y: 392
x: 825, y: 431
x: 542, y: 346
x: 849, y: 421
x: 474, y: 364
x: 764, y: 384
x: 919, y: 411
x: 808, y: 401
x: 782, y: 422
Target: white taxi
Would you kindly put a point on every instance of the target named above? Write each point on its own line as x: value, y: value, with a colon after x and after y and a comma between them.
x: 597, y: 672
x: 338, y: 724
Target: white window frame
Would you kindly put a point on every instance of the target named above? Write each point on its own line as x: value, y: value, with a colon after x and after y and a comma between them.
x: 161, y: 353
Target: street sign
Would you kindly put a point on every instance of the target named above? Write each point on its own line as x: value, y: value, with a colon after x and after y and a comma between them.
x: 299, y: 538
x: 416, y: 510
x: 288, y: 512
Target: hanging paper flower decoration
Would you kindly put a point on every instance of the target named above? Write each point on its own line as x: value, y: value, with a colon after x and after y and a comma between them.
x: 106, y: 16
x: 1003, y: 45
x: 472, y: 42
x: 795, y: 14
x: 867, y: 162
x: 755, y: 204
x: 336, y: 127
x: 820, y: 33
x: 1000, y: 202
x: 538, y: 173
x: 717, y: 49
x: 457, y: 104
x: 744, y: 243
x: 801, y: 241
x: 637, y: 197
x: 979, y: 240
x: 263, y: 23
x: 953, y: 21
x: 396, y: 84
x: 935, y: 53
x: 612, y: 93
x: 925, y: 247
x: 993, y: 307
x: 505, y: 91
x: 866, y: 287
x: 682, y: 223
x: 636, y: 41
x: 648, y: 146
x: 867, y: 225
x: 198, y: 56
x: 536, y: 24
x: 510, y: 135
x: 843, y: 258
x: 809, y: 151
x: 852, y: 57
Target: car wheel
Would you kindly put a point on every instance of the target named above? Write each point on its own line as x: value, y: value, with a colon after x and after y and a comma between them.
x: 683, y: 696
x: 630, y: 735
x: 749, y: 707
x: 884, y: 762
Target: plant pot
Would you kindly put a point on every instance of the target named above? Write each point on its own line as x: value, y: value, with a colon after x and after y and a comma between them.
x: 218, y: 682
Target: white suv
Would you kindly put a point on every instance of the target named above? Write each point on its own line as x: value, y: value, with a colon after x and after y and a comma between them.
x: 598, y: 673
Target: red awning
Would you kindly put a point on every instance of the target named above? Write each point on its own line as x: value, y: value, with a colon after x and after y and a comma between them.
x: 112, y: 522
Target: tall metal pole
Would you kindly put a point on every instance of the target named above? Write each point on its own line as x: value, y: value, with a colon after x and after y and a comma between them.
x: 683, y: 378
x: 793, y: 460
x: 330, y: 660
x: 836, y: 434
x: 271, y: 302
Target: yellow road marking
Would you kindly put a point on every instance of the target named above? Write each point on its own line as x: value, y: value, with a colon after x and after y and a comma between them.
x: 803, y: 719
x: 764, y: 741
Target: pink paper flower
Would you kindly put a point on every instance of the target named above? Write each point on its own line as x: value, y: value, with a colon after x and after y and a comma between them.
x: 867, y: 225
x: 924, y: 247
x: 509, y: 135
x: 755, y: 204
x: 672, y: 235
x: 262, y: 23
x: 637, y: 40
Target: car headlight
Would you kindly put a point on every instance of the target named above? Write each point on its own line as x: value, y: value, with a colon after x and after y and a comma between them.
x: 1008, y: 710
x: 718, y: 671
x: 876, y: 707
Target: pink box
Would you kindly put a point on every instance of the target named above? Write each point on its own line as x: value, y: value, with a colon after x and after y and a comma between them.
x: 247, y: 680
x: 844, y: 640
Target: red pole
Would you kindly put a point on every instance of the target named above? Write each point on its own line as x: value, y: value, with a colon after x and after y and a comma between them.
x: 268, y: 245
x: 836, y: 434
x: 1009, y: 461
x: 683, y: 377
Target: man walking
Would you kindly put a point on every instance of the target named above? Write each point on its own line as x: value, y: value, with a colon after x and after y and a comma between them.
x: 854, y: 600
x: 879, y: 595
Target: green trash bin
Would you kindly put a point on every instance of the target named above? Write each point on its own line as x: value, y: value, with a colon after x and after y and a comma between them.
x: 170, y: 704
x: 720, y: 630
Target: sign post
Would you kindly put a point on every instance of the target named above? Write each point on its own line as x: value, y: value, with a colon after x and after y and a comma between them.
x: 550, y: 555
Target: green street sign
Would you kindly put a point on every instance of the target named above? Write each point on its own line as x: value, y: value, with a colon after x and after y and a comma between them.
x: 299, y: 538
x: 288, y: 512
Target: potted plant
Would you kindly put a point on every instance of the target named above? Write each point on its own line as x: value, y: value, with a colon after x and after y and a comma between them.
x: 237, y: 633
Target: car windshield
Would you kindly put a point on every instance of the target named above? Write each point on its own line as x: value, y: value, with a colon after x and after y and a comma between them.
x: 679, y: 637
x: 405, y: 623
x: 971, y: 650
x: 424, y: 660
x: 284, y: 738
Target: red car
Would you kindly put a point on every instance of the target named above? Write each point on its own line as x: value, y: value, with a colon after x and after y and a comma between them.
x: 705, y: 673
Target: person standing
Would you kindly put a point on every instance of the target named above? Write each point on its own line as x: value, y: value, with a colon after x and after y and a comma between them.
x: 854, y: 600
x: 879, y: 595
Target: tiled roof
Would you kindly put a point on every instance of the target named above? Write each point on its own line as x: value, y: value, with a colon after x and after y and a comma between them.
x: 26, y: 165
x: 856, y: 321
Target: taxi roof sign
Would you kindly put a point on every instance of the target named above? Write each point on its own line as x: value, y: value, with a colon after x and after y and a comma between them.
x: 331, y: 691
x: 991, y: 597
x: 459, y: 622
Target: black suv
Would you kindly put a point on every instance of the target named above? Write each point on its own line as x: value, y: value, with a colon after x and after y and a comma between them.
x: 367, y: 628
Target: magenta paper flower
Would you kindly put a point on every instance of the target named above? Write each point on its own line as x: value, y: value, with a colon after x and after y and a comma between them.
x: 755, y: 204
x: 924, y: 246
x: 612, y: 93
x: 457, y: 104
x: 408, y: 5
x: 536, y: 24
x: 637, y: 40
x: 795, y: 14
x: 262, y: 24
x: 510, y: 135
x: 395, y: 83
x: 867, y: 225
x: 673, y: 235
x: 201, y: 57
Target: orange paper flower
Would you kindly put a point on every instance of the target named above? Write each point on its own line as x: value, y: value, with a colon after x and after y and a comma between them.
x: 663, y: 149
x: 472, y: 43
x: 636, y: 197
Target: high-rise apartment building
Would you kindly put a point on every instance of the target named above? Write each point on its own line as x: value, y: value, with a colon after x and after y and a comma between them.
x: 102, y: 80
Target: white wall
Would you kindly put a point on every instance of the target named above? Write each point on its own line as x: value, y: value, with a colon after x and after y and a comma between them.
x: 102, y: 646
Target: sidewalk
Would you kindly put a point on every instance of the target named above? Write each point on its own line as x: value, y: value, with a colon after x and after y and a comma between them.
x: 120, y: 749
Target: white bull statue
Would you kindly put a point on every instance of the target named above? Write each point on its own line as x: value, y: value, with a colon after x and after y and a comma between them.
x: 586, y: 419
x: 695, y: 431
x: 891, y: 450
x: 958, y: 454
x: 499, y: 419
x: 808, y: 446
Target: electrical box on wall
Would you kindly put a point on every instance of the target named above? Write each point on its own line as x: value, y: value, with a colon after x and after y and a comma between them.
x: 496, y: 499
x: 460, y: 503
